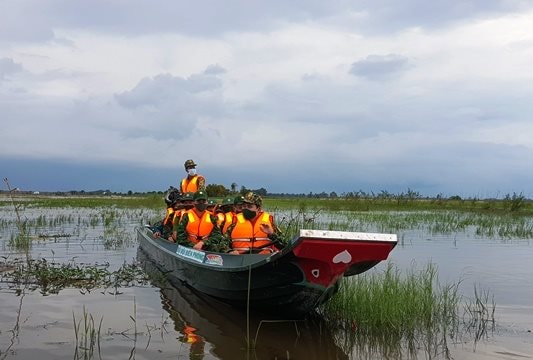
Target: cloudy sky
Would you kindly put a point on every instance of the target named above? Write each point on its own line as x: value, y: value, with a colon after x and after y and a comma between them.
x: 293, y: 96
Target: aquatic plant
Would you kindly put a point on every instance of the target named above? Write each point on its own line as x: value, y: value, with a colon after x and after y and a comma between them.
x: 20, y: 240
x: 149, y: 201
x: 389, y: 312
x: 49, y: 277
x: 87, y: 337
x: 479, y: 313
x: 409, y: 201
x: 392, y: 302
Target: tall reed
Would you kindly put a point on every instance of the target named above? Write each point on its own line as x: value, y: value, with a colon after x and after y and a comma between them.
x: 389, y: 312
x: 393, y: 303
x: 87, y: 337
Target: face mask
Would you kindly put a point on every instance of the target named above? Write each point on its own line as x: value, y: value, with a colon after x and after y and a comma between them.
x: 188, y: 207
x: 248, y: 214
x: 200, y: 207
x: 191, y: 172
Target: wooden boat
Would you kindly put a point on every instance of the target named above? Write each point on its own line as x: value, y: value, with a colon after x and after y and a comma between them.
x: 292, y: 281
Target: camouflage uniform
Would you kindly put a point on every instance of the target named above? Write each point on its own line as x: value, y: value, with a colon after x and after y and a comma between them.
x: 199, y: 179
x: 215, y: 241
x: 276, y: 237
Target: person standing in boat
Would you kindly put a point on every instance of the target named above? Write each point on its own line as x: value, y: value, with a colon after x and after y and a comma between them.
x: 198, y: 227
x: 253, y: 230
x: 193, y: 182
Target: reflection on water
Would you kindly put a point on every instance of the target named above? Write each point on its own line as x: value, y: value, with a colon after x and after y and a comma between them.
x: 205, y: 323
x: 202, y: 320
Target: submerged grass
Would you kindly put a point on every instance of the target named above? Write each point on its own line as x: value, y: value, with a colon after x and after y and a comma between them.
x: 391, y: 313
x: 506, y: 218
x: 50, y: 277
x: 516, y: 204
x: 504, y: 225
x: 394, y: 303
x: 87, y: 337
x: 151, y: 201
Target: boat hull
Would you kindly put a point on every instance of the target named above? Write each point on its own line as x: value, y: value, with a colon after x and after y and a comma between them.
x: 293, y: 281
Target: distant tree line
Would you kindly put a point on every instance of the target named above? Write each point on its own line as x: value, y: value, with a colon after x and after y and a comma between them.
x: 515, y: 200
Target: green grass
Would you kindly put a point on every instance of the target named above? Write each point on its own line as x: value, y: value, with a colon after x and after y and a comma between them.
x: 152, y: 201
x: 393, y: 302
x: 490, y: 225
x: 515, y: 204
x: 391, y: 312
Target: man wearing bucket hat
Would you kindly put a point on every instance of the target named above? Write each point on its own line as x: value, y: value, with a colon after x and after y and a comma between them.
x: 193, y: 182
x: 198, y: 227
x: 253, y: 230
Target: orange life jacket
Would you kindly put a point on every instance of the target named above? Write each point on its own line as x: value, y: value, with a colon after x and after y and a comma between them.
x: 178, y: 214
x: 198, y: 228
x: 169, y: 217
x: 220, y: 218
x: 190, y: 185
x: 247, y: 235
x: 224, y: 220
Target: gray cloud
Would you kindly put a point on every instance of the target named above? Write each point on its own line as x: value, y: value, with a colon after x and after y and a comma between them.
x: 379, y: 67
x: 204, y: 17
x: 385, y: 16
x: 167, y: 88
x: 8, y: 67
x: 214, y: 70
x: 170, y: 107
x: 213, y: 18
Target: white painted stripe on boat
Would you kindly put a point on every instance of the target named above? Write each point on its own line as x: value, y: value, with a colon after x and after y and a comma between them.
x: 347, y: 235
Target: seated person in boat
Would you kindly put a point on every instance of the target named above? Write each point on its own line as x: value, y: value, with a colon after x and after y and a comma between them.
x: 237, y: 204
x: 164, y: 227
x: 212, y: 206
x: 225, y: 213
x: 253, y: 230
x: 198, y: 227
x: 186, y: 202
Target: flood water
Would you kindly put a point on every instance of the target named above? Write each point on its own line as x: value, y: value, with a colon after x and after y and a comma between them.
x: 157, y: 321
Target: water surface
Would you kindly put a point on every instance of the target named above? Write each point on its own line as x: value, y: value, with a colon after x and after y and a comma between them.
x: 159, y: 321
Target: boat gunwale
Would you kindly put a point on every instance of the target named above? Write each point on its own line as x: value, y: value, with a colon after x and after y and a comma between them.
x: 258, y: 260
x: 261, y: 259
x: 348, y: 236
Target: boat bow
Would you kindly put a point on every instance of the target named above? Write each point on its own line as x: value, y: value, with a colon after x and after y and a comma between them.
x: 324, y: 256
